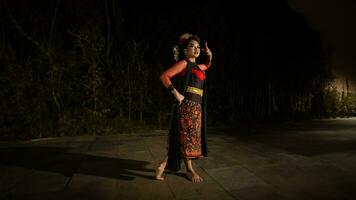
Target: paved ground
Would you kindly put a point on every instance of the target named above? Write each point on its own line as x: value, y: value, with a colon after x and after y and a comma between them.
x: 304, y: 160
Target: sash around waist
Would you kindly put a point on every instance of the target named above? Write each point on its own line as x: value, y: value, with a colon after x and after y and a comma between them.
x: 195, y: 90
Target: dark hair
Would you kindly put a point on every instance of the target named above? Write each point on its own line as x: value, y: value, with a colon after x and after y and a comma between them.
x: 183, y: 43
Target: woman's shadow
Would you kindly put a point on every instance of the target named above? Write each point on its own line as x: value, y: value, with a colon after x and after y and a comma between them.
x: 59, y: 160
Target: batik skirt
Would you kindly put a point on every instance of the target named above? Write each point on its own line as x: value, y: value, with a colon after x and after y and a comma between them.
x: 190, y: 129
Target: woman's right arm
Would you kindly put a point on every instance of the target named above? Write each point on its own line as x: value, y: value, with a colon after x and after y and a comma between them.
x: 171, y: 72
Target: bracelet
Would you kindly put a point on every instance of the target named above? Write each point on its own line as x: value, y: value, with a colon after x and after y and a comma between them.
x: 170, y: 88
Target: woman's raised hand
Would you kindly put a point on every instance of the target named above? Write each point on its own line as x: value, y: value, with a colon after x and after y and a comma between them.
x: 207, y: 51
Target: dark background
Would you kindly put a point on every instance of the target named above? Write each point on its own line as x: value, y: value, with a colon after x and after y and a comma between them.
x: 92, y: 67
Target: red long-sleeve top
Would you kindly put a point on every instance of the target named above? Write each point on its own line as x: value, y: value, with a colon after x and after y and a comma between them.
x: 179, y: 67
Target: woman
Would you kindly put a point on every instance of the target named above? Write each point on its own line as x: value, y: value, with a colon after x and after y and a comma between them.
x: 187, y: 135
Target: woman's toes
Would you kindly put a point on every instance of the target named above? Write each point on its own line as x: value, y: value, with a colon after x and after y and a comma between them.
x: 195, y: 178
x: 159, y: 172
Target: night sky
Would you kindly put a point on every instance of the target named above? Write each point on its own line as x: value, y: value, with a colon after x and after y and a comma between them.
x: 336, y: 21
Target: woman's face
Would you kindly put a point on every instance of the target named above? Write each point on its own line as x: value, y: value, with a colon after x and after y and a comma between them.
x: 192, y: 50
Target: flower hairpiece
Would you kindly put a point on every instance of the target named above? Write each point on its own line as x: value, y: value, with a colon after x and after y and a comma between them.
x: 176, y: 52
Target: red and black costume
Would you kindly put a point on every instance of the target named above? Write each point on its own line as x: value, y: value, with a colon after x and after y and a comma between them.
x: 187, y: 135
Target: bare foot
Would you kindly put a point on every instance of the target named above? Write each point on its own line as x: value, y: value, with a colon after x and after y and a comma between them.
x: 194, y: 177
x: 159, y: 172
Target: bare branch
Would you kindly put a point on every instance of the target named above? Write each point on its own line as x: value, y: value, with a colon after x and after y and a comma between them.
x: 28, y: 36
x: 52, y: 26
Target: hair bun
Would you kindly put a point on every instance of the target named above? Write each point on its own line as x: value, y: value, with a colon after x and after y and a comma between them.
x: 184, y: 38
